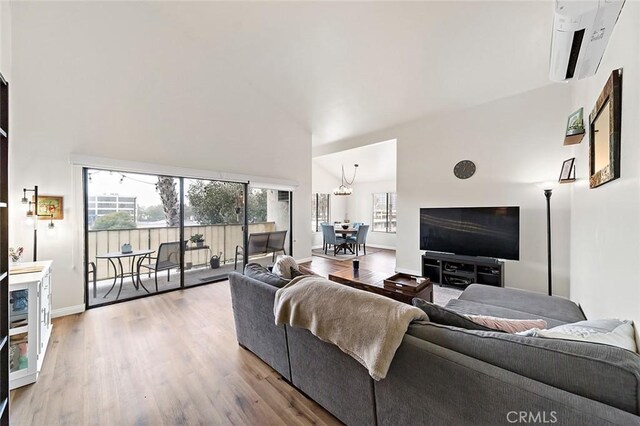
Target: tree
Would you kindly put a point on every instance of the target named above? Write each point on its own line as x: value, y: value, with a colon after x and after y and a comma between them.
x: 166, y: 187
x: 216, y: 202
x: 257, y: 210
x: 151, y: 213
x: 115, y: 220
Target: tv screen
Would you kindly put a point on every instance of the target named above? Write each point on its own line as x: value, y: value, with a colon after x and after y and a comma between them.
x: 472, y: 231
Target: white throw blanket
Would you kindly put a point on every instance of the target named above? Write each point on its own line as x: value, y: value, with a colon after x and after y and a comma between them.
x: 367, y: 326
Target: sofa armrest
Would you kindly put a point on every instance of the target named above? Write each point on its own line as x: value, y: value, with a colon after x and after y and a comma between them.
x: 429, y: 384
x: 575, y: 367
x: 256, y: 328
x: 536, y: 304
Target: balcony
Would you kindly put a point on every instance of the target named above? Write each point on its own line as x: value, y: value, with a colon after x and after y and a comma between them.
x: 219, y: 240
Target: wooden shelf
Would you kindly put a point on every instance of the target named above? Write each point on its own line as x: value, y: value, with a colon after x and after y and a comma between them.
x: 18, y: 330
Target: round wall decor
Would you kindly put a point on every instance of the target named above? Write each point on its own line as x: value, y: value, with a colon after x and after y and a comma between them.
x: 464, y: 169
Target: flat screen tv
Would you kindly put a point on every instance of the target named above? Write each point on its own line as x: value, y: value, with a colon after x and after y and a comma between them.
x: 472, y: 231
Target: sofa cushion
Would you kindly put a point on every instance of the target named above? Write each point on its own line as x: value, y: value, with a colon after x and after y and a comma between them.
x: 283, y: 266
x: 444, y: 316
x: 467, y: 307
x: 607, y: 374
x: 606, y: 331
x: 260, y: 273
x: 538, y: 305
x: 508, y: 325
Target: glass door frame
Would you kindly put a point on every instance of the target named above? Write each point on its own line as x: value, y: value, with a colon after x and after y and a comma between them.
x: 182, y: 286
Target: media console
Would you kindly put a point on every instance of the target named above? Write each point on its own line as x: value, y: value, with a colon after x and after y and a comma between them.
x: 442, y: 268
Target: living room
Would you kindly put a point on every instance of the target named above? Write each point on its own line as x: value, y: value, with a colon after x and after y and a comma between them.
x: 284, y: 97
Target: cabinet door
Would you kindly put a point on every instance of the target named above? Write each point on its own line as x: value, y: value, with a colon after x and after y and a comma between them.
x: 45, y: 311
x: 19, y: 304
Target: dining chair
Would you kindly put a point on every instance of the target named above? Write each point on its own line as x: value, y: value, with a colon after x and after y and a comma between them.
x: 360, y: 238
x: 330, y: 237
x: 324, y: 242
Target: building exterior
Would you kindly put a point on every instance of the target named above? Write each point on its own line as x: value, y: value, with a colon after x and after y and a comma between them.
x: 100, y: 205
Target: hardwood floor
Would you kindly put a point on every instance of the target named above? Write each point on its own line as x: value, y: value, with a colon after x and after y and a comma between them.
x: 168, y: 359
x: 381, y: 261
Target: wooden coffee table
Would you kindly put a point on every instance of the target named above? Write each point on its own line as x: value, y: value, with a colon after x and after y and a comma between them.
x: 374, y: 282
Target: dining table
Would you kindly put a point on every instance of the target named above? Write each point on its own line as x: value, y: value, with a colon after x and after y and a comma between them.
x: 345, y: 233
x: 119, y: 269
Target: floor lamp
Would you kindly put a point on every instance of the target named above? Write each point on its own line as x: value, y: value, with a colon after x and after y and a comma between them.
x: 547, y: 194
x: 32, y: 213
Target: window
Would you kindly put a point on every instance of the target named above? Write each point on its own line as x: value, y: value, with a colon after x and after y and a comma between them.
x: 319, y: 211
x: 384, y: 212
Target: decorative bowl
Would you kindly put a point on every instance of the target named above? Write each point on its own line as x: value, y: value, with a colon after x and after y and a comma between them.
x: 345, y: 226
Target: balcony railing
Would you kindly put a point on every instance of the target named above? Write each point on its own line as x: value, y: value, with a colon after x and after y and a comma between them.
x: 221, y: 238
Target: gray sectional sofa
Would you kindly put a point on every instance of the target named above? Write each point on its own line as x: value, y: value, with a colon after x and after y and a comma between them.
x: 448, y: 375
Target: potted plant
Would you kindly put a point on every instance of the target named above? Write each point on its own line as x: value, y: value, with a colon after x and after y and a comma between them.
x: 198, y: 239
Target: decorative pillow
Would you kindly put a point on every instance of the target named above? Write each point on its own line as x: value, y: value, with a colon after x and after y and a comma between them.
x: 283, y: 266
x: 613, y: 332
x: 260, y: 273
x: 507, y: 325
x: 444, y: 316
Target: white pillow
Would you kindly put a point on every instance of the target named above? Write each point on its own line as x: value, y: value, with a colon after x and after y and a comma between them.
x: 283, y: 266
x: 612, y: 332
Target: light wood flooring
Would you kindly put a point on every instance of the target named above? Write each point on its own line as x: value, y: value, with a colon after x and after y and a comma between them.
x: 167, y: 359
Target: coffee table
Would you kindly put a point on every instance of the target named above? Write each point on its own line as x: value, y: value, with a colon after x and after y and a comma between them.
x: 373, y: 282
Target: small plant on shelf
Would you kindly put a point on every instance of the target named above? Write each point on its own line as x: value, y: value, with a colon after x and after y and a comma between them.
x: 197, y: 239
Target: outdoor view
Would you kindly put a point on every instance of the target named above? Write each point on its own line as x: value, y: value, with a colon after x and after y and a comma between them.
x: 134, y: 223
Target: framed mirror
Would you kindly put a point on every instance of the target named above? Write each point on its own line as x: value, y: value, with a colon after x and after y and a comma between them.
x: 604, y: 127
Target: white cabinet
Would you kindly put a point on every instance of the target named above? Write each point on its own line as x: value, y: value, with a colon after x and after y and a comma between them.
x: 29, y: 320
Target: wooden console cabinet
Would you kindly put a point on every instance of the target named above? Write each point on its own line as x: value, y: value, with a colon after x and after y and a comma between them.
x: 29, y: 321
x: 450, y: 269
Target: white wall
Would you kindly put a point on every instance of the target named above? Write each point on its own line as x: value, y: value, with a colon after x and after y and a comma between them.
x: 515, y: 142
x: 115, y: 80
x: 360, y: 209
x: 605, y: 229
x: 5, y: 39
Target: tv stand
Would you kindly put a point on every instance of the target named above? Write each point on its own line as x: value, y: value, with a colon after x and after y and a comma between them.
x: 449, y: 269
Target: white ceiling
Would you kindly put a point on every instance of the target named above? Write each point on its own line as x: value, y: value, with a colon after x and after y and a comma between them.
x: 376, y: 162
x: 344, y: 69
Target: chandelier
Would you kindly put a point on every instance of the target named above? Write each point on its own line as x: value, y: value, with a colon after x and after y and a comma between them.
x: 344, y: 188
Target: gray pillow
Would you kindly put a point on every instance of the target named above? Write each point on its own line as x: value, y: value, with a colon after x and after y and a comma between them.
x: 260, y: 273
x: 439, y: 315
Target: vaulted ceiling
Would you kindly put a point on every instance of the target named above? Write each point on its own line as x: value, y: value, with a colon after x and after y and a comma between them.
x: 343, y: 69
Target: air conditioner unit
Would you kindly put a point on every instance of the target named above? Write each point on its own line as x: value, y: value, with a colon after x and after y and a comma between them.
x: 581, y: 31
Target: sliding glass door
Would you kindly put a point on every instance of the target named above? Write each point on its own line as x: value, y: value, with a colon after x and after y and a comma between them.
x: 131, y: 222
x: 213, y: 229
x: 147, y: 234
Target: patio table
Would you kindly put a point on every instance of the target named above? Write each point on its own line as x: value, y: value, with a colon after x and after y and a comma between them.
x: 120, y: 273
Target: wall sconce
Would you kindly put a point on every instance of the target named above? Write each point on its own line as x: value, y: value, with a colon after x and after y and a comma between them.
x: 33, y: 215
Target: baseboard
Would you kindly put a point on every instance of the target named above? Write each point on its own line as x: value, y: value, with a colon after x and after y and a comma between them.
x: 379, y: 246
x: 69, y: 310
x: 409, y: 271
x: 303, y: 260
